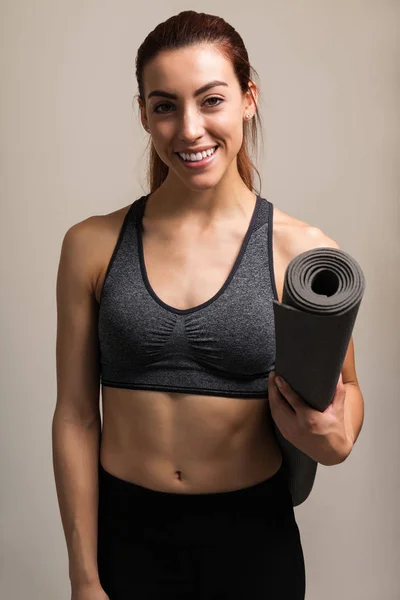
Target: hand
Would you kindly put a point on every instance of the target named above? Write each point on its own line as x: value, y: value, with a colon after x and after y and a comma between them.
x: 89, y: 591
x: 320, y: 435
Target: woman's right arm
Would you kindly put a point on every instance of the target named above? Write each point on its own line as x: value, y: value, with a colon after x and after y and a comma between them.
x: 76, y: 427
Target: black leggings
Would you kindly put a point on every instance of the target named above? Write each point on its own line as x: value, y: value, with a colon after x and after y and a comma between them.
x: 154, y: 545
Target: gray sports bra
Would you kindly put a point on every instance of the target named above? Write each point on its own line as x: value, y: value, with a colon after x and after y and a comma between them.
x: 222, y: 347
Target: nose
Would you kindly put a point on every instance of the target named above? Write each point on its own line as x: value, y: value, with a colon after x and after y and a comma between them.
x: 190, y: 125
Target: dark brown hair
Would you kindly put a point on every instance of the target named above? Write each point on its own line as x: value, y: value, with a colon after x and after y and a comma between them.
x: 186, y: 29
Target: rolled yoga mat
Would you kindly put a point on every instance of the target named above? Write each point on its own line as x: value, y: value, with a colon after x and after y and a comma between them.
x: 322, y: 292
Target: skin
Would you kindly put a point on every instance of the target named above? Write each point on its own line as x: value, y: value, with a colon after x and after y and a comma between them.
x: 193, y: 227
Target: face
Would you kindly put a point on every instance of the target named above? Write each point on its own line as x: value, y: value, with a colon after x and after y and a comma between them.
x: 180, y: 118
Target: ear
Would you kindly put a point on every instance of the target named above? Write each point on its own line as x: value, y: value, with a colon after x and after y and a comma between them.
x: 252, y: 102
x: 143, y: 116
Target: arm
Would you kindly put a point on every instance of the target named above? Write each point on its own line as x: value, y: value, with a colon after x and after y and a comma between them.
x: 76, y: 426
x: 354, y: 403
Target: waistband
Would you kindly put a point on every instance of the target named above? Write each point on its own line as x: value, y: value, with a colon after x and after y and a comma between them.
x: 125, y: 511
x: 133, y: 512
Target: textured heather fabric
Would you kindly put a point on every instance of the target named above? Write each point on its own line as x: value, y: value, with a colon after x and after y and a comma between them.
x: 223, y: 347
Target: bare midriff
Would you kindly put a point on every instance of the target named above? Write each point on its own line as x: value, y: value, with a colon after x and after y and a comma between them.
x: 187, y: 443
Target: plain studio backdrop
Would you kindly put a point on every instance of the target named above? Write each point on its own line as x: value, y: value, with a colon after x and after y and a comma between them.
x: 72, y: 146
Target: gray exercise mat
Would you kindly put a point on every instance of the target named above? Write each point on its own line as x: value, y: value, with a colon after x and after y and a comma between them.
x: 322, y: 292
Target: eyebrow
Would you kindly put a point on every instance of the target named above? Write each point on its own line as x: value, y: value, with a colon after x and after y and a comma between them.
x: 201, y: 90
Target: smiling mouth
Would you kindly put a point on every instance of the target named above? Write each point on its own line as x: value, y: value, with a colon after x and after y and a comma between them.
x: 203, y: 160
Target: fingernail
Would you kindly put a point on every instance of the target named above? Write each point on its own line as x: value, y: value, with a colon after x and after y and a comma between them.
x: 278, y: 381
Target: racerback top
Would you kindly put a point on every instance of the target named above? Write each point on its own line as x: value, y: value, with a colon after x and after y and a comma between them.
x: 222, y: 347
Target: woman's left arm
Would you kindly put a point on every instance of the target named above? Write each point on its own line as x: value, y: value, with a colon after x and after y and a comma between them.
x: 354, y: 404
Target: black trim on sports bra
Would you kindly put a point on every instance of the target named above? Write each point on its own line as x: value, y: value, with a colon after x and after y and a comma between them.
x: 270, y: 249
x: 116, y: 247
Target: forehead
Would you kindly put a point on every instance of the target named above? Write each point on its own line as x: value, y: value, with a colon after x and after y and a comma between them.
x: 186, y: 68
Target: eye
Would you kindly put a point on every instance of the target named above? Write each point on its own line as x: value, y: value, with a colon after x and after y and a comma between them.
x: 163, y: 112
x: 159, y: 106
x: 214, y: 98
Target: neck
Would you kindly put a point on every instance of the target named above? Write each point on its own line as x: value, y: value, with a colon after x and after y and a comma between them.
x: 225, y: 200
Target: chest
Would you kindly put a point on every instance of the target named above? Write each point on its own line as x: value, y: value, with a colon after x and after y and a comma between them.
x: 188, y: 272
x: 184, y: 271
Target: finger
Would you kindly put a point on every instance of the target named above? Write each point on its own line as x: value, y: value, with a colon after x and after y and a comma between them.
x: 292, y: 399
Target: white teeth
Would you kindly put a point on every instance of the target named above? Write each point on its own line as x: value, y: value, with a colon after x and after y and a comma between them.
x: 198, y: 156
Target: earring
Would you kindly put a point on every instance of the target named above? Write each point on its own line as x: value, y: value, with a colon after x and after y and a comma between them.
x: 247, y: 116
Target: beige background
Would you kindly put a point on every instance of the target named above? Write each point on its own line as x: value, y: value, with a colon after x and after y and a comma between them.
x: 72, y: 146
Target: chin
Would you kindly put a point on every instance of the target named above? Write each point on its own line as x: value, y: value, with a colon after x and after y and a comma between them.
x: 201, y: 185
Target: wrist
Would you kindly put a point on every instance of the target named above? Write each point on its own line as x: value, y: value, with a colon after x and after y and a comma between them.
x: 339, y: 449
x: 84, y: 580
x: 88, y: 590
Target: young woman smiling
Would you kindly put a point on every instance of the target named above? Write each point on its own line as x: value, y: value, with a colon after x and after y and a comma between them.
x: 169, y: 301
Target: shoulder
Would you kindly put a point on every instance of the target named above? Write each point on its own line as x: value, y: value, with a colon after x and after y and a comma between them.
x: 90, y: 241
x: 293, y: 236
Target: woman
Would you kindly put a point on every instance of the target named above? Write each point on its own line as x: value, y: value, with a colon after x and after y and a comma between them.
x: 170, y: 301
